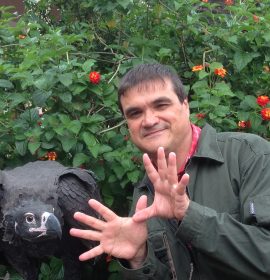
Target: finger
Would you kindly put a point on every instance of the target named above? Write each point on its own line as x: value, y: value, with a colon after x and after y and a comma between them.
x: 89, y: 221
x: 86, y: 234
x: 172, y: 169
x: 150, y: 169
x: 141, y: 203
x: 143, y: 215
x: 182, y: 185
x: 161, y: 163
x: 96, y: 251
x: 105, y: 212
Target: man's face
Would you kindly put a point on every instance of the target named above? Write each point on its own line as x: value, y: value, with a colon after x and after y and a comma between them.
x: 156, y: 117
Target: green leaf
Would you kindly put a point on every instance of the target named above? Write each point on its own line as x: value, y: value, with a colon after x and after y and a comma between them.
x: 242, y: 59
x: 6, y: 84
x: 88, y: 65
x: 21, y: 147
x: 124, y: 3
x: 203, y: 74
x: 67, y: 143
x: 223, y: 89
x: 33, y: 146
x: 66, y: 79
x: 49, y: 135
x: 89, y: 139
x: 80, y: 159
x: 65, y: 97
x: 94, y: 150
x: 74, y: 126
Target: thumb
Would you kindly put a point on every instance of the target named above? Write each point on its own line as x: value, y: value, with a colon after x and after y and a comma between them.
x: 141, y: 203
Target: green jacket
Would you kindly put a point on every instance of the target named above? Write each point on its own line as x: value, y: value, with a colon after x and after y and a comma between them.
x: 225, y: 233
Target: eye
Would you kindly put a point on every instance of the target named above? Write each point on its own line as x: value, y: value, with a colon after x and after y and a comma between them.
x: 30, y: 218
x: 133, y: 114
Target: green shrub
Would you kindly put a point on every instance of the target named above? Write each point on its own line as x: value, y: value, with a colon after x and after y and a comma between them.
x: 49, y: 109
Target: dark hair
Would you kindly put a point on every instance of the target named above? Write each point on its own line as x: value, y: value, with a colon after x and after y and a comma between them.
x: 145, y: 73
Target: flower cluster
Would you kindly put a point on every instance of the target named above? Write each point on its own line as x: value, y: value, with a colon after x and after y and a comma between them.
x: 197, y: 68
x: 263, y: 100
x: 244, y: 124
x: 200, y: 116
x: 94, y: 77
x: 51, y: 155
x: 265, y: 113
x: 220, y: 72
x: 228, y: 2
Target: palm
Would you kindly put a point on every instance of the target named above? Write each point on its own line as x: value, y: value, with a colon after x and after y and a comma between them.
x: 120, y: 237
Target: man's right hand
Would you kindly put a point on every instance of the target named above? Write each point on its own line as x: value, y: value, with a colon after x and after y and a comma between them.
x: 120, y: 237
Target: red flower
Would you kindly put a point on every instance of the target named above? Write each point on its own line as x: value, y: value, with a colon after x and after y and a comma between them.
x: 200, y: 116
x: 262, y: 100
x: 228, y: 2
x: 256, y: 18
x: 244, y: 124
x: 51, y: 155
x: 220, y: 72
x: 94, y: 77
x: 197, y: 68
x: 265, y: 113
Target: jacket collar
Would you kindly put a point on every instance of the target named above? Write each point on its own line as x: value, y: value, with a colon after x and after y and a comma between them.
x: 208, y: 145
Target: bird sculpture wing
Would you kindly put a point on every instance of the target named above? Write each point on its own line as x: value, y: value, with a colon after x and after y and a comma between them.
x: 75, y: 187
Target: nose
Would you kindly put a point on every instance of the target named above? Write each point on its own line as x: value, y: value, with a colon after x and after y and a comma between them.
x: 150, y: 118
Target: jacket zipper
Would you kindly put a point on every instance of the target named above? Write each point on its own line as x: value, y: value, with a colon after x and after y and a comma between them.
x: 169, y: 254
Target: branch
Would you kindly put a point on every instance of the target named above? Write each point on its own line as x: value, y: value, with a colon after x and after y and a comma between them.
x: 111, y: 128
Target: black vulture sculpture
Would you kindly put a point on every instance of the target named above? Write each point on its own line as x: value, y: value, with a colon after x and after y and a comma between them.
x: 37, y: 203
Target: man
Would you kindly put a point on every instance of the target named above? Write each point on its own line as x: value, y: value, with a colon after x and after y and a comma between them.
x: 203, y: 209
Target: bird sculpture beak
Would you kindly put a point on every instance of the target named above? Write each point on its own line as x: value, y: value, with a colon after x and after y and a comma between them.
x: 53, y: 227
x: 50, y: 227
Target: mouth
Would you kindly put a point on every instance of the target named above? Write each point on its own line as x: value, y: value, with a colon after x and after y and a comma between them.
x: 153, y: 133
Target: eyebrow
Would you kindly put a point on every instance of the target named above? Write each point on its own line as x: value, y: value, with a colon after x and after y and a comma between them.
x: 154, y: 102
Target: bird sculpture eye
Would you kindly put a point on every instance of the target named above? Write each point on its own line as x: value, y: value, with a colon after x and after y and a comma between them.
x: 30, y: 219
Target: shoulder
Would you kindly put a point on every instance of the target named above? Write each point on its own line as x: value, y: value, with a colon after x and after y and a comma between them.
x: 237, y: 141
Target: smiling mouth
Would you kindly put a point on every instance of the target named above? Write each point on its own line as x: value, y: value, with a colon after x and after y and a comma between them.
x: 153, y: 133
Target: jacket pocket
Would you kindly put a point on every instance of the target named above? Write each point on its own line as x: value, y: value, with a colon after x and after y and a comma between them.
x: 162, y: 250
x: 259, y: 208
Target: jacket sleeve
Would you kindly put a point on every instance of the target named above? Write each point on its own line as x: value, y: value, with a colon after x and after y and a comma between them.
x: 242, y: 246
x: 152, y: 268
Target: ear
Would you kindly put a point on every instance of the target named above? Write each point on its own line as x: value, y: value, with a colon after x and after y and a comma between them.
x: 8, y: 224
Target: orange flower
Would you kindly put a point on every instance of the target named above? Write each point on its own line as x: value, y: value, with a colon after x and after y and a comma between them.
x: 220, y: 72
x: 262, y: 100
x: 94, y: 77
x: 197, y: 68
x: 228, y: 2
x: 205, y: 1
x: 265, y: 113
x: 200, y: 116
x: 21, y: 36
x: 266, y: 68
x: 244, y: 124
x: 51, y: 155
x: 256, y: 18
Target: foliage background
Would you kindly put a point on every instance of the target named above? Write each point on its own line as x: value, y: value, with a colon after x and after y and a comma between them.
x: 45, y: 60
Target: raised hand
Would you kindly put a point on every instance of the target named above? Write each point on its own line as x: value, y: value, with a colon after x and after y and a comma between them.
x: 120, y: 237
x: 171, y: 200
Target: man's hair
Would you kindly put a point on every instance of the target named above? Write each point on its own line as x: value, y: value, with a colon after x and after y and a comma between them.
x: 144, y: 73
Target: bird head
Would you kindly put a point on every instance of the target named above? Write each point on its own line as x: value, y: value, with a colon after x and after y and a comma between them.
x: 33, y: 222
